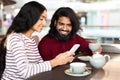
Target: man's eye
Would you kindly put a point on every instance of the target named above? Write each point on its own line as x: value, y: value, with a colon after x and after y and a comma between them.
x: 61, y: 24
x: 69, y: 25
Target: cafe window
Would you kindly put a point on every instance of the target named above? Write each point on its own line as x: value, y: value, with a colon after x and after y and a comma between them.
x: 101, y: 26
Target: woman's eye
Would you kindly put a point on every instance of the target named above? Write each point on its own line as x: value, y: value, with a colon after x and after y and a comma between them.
x: 41, y: 19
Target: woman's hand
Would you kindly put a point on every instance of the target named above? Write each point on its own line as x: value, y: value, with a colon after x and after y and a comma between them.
x: 62, y: 59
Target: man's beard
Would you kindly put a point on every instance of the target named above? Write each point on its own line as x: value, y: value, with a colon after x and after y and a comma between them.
x: 62, y: 38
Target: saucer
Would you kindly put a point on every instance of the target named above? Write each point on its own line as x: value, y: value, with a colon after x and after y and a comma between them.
x: 87, y: 72
x: 84, y: 58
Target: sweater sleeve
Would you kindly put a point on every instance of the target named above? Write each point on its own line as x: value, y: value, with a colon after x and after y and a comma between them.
x: 23, y: 62
x: 84, y: 45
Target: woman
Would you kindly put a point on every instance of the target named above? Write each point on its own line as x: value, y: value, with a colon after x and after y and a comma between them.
x: 19, y: 49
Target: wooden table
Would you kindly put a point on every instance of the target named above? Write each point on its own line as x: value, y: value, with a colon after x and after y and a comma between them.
x: 111, y: 71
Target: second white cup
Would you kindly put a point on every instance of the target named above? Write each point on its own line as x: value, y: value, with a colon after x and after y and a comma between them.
x: 94, y: 46
x: 77, y: 67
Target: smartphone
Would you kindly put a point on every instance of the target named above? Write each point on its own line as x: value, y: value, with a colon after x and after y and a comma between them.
x: 74, y: 48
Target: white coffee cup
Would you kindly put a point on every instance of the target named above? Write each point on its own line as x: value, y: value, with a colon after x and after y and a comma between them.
x: 94, y: 46
x: 77, y: 67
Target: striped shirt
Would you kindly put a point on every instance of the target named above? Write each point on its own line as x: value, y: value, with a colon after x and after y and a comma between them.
x: 22, y: 58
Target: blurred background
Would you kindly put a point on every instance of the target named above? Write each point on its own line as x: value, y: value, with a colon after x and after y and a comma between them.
x: 100, y: 19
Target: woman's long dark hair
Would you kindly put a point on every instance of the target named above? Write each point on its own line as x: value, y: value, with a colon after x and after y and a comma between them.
x: 64, y: 12
x: 25, y: 19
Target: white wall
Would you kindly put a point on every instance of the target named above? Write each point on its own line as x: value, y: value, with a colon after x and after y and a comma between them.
x: 114, y: 18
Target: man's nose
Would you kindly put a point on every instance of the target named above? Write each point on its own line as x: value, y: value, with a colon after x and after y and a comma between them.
x: 65, y: 27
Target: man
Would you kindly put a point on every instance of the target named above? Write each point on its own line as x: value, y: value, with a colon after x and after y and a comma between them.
x: 62, y: 35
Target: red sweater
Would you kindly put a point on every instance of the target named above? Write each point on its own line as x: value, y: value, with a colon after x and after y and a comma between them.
x: 51, y: 47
